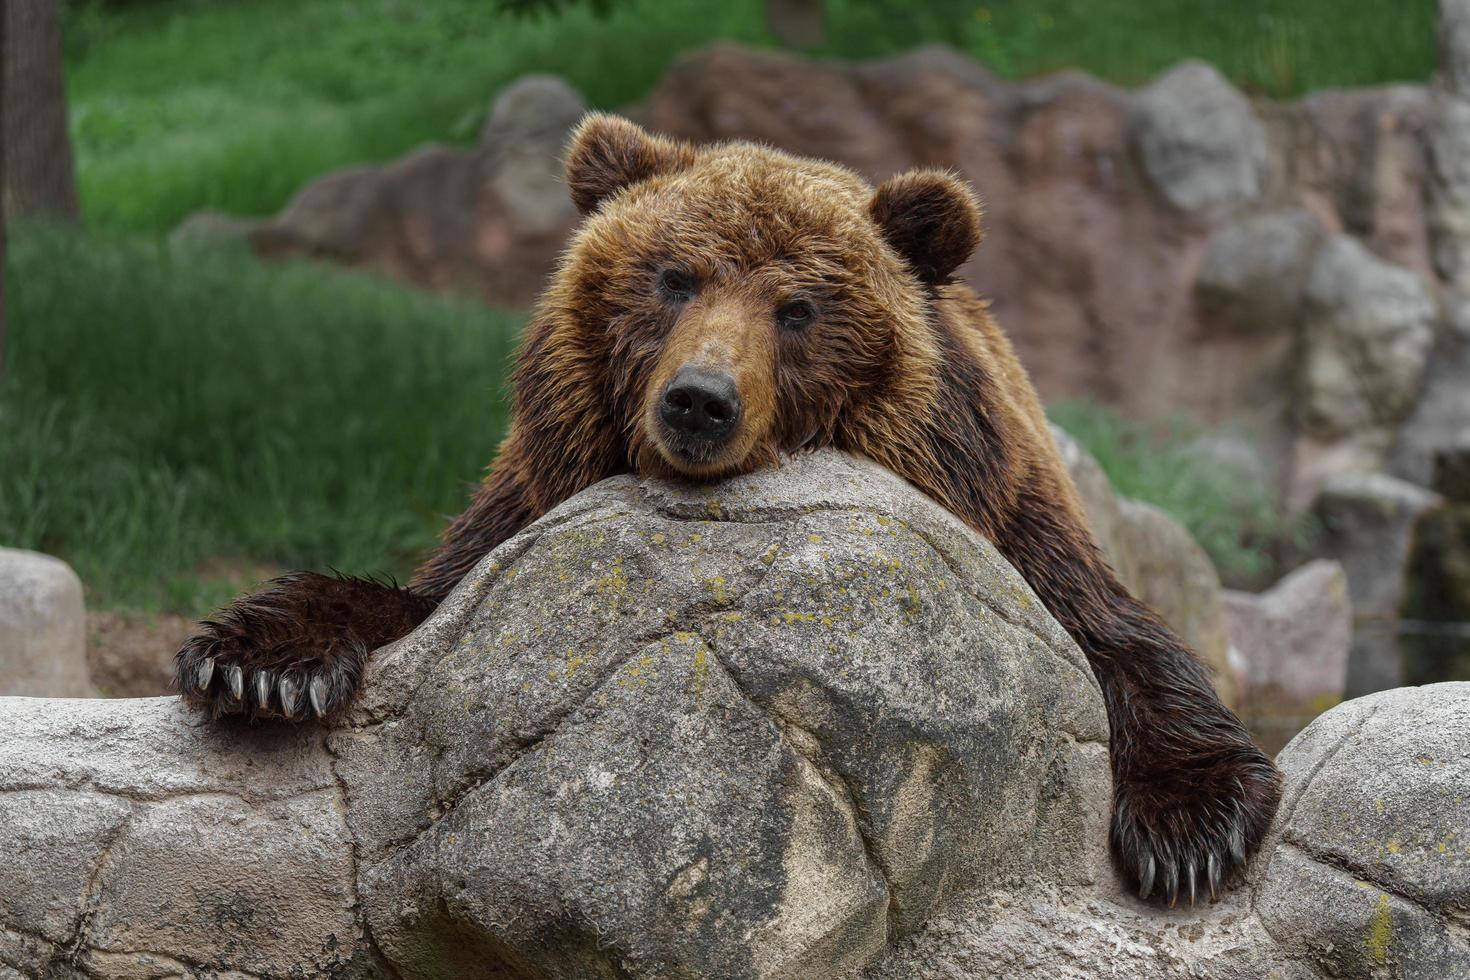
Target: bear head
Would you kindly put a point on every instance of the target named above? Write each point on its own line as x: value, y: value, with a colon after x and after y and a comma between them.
x: 731, y: 302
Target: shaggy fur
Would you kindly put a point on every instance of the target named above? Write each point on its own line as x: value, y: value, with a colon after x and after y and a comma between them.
x: 894, y: 362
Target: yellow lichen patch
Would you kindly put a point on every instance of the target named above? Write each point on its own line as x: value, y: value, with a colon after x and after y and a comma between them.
x: 1393, y: 846
x: 716, y: 586
x: 701, y: 671
x: 799, y: 617
x: 659, y: 537
x: 695, y: 538
x: 731, y: 617
x: 1380, y: 932
x: 814, y: 538
x: 770, y: 554
x: 683, y: 636
x: 714, y: 510
x: 912, y: 606
x: 614, y: 585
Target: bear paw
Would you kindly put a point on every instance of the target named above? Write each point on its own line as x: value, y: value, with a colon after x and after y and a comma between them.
x: 296, y: 650
x: 1183, y: 827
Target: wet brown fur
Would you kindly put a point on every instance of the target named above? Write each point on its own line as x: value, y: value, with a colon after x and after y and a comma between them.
x: 900, y: 365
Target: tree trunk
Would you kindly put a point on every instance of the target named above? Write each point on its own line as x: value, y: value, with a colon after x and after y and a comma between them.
x: 3, y: 34
x: 39, y: 175
x: 797, y: 23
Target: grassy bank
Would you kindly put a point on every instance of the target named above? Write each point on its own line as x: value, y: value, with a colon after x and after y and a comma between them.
x: 179, y: 105
x: 170, y: 415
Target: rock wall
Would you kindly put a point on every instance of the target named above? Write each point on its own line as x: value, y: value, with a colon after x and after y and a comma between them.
x: 802, y: 723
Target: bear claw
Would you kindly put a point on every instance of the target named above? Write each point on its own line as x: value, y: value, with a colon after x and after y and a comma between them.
x: 316, y: 691
x: 235, y: 680
x: 303, y: 641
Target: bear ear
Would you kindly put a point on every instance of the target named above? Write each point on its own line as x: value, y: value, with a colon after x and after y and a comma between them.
x: 931, y: 218
x: 609, y: 153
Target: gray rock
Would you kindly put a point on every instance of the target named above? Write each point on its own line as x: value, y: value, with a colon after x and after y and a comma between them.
x: 1447, y: 187
x: 1368, y: 523
x: 1292, y: 646
x: 1199, y: 140
x: 1440, y: 421
x: 1454, y: 46
x: 145, y: 844
x: 1367, y: 333
x: 491, y: 218
x: 801, y: 724
x: 1369, y: 867
x: 213, y: 228
x: 525, y: 134
x: 1253, y: 271
x: 793, y: 799
x: 43, y: 627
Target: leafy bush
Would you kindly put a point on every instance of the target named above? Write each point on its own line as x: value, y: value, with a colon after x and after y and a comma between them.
x: 165, y: 410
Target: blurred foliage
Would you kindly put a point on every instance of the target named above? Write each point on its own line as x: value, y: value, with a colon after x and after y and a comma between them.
x: 179, y: 105
x: 1239, y: 521
x: 166, y: 409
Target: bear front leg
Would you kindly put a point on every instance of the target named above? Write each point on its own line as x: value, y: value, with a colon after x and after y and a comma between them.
x: 295, y: 650
x: 1192, y: 793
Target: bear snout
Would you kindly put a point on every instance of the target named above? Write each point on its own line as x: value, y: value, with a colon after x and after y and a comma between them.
x: 701, y: 406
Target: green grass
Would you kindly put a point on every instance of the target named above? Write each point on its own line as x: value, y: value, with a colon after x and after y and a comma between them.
x: 166, y: 411
x: 1240, y: 522
x: 179, y: 105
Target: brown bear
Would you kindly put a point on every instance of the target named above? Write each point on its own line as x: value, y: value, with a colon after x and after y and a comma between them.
x: 721, y: 306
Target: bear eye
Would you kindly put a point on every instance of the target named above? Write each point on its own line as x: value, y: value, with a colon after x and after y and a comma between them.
x: 676, y: 284
x: 796, y: 314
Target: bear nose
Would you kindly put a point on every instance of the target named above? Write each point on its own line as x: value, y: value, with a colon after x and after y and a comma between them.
x: 701, y: 404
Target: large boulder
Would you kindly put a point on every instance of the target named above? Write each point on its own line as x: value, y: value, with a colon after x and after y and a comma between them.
x: 1367, y: 869
x: 489, y: 219
x: 800, y: 724
x: 1254, y: 271
x: 1369, y: 328
x: 43, y: 627
x: 1200, y: 142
